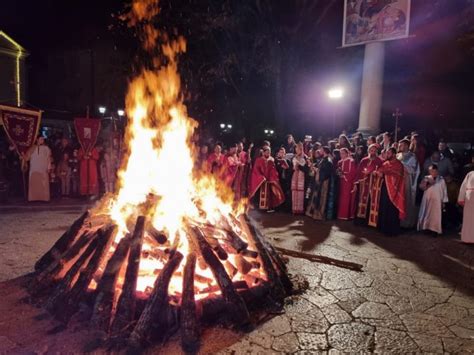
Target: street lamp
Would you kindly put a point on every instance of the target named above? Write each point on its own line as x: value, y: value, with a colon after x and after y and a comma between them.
x: 102, y: 109
x: 268, y: 132
x: 121, y: 112
x: 229, y: 126
x: 335, y: 94
x: 222, y: 125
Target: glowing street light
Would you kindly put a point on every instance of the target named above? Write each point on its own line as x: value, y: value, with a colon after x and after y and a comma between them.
x: 121, y: 112
x: 102, y: 109
x: 229, y: 126
x: 222, y: 125
x: 336, y: 93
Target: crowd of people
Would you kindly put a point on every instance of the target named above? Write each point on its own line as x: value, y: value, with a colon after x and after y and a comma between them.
x: 60, y: 168
x: 377, y: 182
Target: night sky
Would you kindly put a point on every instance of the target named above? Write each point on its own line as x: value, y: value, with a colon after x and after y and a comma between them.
x: 430, y: 76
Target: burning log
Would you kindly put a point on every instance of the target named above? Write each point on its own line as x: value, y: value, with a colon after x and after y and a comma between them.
x: 233, y: 237
x: 66, y: 283
x: 102, y: 311
x: 71, y: 302
x: 202, y: 279
x: 189, y: 322
x: 47, y: 276
x: 214, y: 243
x: 249, y: 254
x: 160, y: 237
x: 202, y: 263
x: 214, y: 288
x: 157, y: 305
x: 126, y: 305
x: 230, y: 268
x: 273, y: 276
x: 243, y: 265
x: 63, y: 243
x: 237, y: 304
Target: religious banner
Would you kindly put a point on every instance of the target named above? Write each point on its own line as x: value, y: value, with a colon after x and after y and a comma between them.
x: 21, y: 126
x: 87, y: 131
x: 375, y: 20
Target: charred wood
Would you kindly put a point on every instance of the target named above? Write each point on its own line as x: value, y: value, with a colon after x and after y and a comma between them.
x: 102, y: 311
x: 126, y: 306
x: 321, y: 259
x: 189, y: 322
x: 62, y: 244
x: 273, y: 276
x: 66, y: 283
x: 242, y: 265
x: 236, y: 303
x: 160, y: 237
x: 48, y: 274
x: 155, y: 313
x: 78, y: 291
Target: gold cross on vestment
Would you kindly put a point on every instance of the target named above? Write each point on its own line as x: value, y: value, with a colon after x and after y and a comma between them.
x: 18, y: 130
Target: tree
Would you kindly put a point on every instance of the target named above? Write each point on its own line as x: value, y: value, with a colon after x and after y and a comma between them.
x: 239, y: 48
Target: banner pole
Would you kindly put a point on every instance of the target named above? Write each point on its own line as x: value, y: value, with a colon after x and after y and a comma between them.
x: 23, y: 174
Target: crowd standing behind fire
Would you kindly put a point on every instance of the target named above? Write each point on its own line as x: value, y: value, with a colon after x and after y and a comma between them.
x: 374, y: 182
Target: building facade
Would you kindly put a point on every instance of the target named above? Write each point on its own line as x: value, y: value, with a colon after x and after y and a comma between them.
x: 13, y: 79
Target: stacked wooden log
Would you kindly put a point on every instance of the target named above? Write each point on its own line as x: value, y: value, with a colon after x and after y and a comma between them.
x: 87, y: 254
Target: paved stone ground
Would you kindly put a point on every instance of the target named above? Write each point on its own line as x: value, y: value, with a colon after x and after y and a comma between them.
x: 416, y: 293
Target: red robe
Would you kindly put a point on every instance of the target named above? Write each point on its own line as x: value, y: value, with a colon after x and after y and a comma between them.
x: 89, y: 178
x: 347, y: 174
x: 394, y: 171
x: 265, y: 178
x: 230, y: 168
x: 215, y: 164
x: 364, y: 182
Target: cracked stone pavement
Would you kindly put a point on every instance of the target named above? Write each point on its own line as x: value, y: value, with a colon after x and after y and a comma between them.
x: 415, y: 294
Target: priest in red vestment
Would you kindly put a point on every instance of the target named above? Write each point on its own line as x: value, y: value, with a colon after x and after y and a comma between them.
x: 346, y: 170
x: 265, y: 180
x: 231, y: 166
x: 215, y: 162
x: 389, y: 205
x: 89, y: 178
x: 364, y: 181
x: 241, y: 181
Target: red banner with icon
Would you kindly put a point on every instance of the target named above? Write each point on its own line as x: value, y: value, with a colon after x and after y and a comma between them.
x: 87, y: 131
x: 21, y: 126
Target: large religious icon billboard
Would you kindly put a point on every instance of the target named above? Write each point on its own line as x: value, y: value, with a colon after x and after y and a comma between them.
x: 375, y: 20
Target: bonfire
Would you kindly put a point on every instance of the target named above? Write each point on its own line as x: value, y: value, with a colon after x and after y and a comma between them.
x: 172, y: 249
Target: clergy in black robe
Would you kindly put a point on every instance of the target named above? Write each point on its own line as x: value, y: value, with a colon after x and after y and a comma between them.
x: 319, y: 200
x: 284, y: 168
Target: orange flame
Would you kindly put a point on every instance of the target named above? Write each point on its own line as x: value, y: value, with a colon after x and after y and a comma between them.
x: 157, y: 177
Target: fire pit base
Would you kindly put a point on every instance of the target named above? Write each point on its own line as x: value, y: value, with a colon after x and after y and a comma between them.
x: 122, y: 317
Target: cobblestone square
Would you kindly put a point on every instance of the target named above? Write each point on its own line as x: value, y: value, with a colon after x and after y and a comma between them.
x: 415, y: 293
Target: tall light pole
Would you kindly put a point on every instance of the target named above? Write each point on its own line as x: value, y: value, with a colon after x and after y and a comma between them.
x: 335, y: 94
